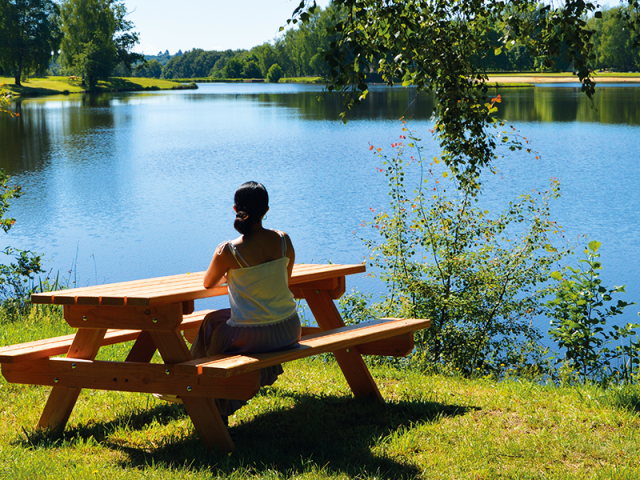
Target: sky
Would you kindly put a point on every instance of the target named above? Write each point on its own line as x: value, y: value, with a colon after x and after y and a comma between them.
x: 213, y: 24
x: 208, y: 24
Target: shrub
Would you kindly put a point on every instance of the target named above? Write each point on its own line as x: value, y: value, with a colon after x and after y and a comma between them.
x: 480, y: 278
x: 581, y: 309
x: 274, y: 74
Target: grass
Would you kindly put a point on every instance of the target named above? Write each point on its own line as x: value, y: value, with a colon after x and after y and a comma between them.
x: 252, y: 80
x: 308, y: 426
x: 509, y: 85
x: 65, y: 85
x: 301, y: 80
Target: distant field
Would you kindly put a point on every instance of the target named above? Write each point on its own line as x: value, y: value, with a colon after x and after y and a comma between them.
x: 66, y: 85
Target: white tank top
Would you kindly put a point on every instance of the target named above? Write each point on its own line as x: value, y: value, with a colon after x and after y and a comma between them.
x: 259, y: 294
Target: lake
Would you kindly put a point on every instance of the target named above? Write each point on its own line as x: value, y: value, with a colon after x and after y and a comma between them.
x: 127, y: 186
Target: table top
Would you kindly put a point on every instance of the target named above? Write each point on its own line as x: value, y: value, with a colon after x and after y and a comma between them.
x: 175, y: 288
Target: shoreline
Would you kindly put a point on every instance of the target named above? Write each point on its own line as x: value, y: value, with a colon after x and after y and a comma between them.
x: 556, y: 78
x: 49, y: 86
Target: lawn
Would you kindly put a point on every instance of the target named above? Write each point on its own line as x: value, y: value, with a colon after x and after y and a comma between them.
x: 66, y: 85
x: 309, y: 426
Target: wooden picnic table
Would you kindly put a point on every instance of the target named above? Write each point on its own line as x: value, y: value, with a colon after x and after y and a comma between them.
x: 154, y: 312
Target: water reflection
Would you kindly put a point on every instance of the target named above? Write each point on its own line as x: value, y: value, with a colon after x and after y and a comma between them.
x: 614, y: 105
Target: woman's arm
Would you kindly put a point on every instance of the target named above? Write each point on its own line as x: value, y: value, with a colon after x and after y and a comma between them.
x: 218, y: 267
x: 291, y: 253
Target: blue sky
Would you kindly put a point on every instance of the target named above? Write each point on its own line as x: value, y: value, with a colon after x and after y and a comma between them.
x: 207, y: 24
x: 213, y: 24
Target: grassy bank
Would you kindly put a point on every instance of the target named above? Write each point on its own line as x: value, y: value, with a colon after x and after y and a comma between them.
x: 562, y: 77
x: 251, y: 80
x: 308, y: 426
x: 65, y: 85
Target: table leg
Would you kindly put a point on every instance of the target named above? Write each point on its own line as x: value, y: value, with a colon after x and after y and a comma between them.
x: 61, y: 400
x: 203, y: 412
x: 350, y: 360
x: 143, y: 349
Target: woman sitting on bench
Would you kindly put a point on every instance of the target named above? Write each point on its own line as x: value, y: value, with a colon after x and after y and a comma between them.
x: 257, y: 267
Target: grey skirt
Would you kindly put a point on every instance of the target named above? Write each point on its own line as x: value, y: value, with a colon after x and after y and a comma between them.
x: 216, y: 336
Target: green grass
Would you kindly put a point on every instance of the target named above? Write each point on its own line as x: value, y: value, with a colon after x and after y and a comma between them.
x: 301, y: 80
x: 309, y: 426
x: 509, y: 85
x: 562, y: 74
x: 65, y: 85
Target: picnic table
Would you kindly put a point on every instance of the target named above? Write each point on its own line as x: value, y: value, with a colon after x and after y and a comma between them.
x: 158, y: 314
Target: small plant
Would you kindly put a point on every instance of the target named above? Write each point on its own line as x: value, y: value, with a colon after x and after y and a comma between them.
x: 579, y: 313
x: 17, y: 277
x: 5, y: 102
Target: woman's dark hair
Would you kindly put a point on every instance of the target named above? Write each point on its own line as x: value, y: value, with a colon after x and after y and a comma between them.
x: 251, y: 202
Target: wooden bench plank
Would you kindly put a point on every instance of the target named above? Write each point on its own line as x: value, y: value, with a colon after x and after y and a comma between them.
x: 340, y: 338
x: 398, y: 346
x: 129, y: 377
x: 50, y: 347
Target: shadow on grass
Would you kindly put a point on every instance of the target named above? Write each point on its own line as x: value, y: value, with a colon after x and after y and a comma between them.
x: 328, y: 433
x: 27, y: 91
x: 163, y: 414
x: 333, y: 434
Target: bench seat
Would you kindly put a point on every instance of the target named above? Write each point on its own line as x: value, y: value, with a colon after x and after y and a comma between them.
x: 342, y: 338
x: 219, y: 376
x: 60, y: 345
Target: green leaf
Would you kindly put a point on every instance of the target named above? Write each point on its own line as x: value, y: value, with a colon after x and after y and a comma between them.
x: 594, y: 246
x: 556, y: 276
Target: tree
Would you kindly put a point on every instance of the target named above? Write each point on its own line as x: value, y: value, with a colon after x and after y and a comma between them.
x: 151, y: 69
x: 233, y: 68
x: 30, y: 34
x: 97, y: 38
x: 616, y: 46
x: 274, y: 74
x: 250, y: 67
x: 433, y: 45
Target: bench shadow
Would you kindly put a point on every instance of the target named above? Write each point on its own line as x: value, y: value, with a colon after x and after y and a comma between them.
x: 100, y: 431
x: 328, y: 433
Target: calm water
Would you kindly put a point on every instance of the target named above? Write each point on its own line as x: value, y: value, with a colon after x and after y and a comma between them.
x: 121, y: 187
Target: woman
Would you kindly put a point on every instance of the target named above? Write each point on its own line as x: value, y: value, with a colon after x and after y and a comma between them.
x: 257, y: 268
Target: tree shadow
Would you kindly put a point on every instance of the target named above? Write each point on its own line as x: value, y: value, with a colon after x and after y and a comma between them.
x: 27, y: 91
x: 330, y: 433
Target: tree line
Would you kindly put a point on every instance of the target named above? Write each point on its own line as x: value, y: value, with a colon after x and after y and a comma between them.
x: 299, y: 52
x: 93, y: 40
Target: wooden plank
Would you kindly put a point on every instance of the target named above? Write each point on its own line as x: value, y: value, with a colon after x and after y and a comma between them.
x: 129, y: 377
x: 62, y: 399
x: 208, y: 423
x: 57, y: 346
x: 203, y: 412
x: 175, y: 288
x: 50, y: 347
x: 118, y: 289
x: 143, y: 349
x: 398, y: 346
x: 341, y: 339
x: 350, y: 361
x: 164, y: 317
x: 334, y: 286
